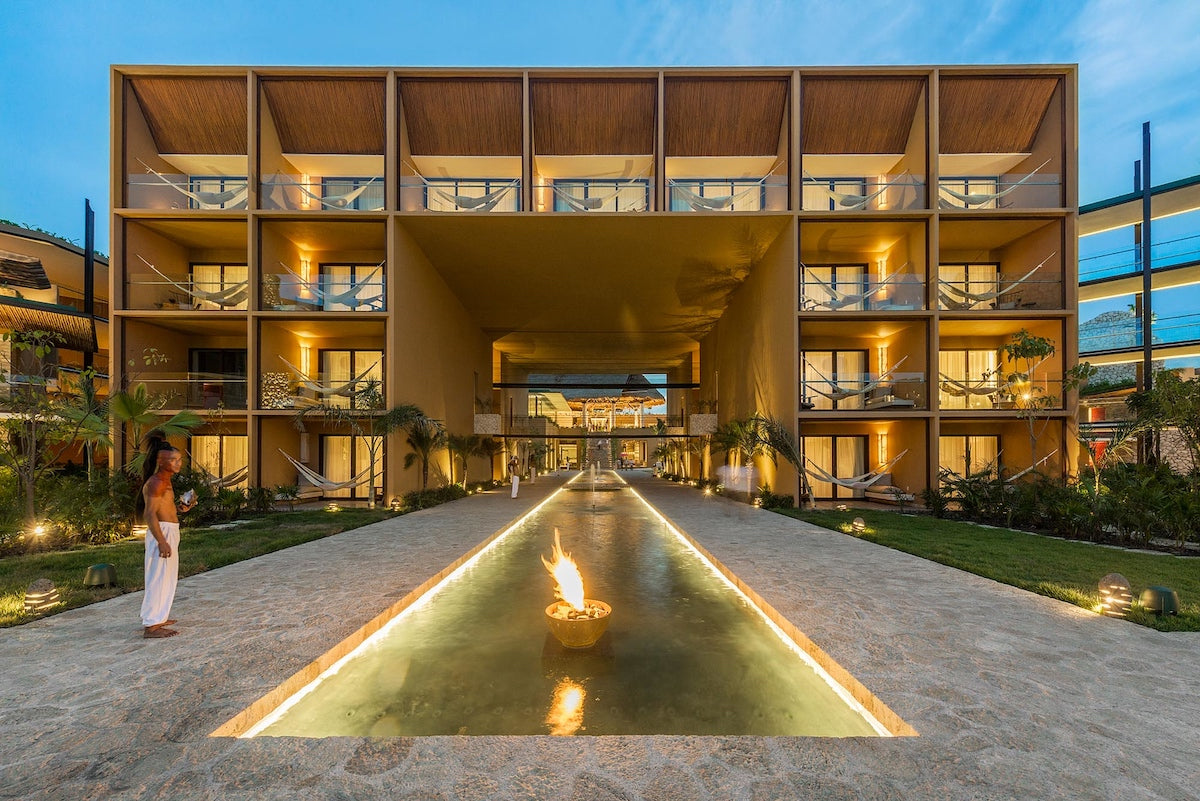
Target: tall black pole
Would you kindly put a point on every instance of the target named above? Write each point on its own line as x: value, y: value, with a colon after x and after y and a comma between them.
x: 1147, y: 277
x: 89, y: 272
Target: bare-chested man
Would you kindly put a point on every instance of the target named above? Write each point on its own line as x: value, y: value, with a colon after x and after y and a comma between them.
x: 162, y: 539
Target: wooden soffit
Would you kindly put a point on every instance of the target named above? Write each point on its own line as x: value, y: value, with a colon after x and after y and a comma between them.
x: 858, y: 115
x: 462, y: 116
x: 593, y: 117
x: 328, y: 115
x: 724, y: 116
x: 194, y: 115
x: 993, y: 115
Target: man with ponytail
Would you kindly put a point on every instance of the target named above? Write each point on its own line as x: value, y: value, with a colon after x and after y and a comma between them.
x: 163, y: 461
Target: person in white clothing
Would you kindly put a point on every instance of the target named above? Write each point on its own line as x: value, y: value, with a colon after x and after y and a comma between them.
x: 512, y: 472
x: 163, y: 461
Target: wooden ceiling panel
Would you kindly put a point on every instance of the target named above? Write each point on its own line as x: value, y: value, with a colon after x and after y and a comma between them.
x: 724, y: 117
x: 858, y: 115
x: 593, y: 117
x: 194, y: 115
x: 992, y: 115
x: 462, y: 117
x: 328, y: 115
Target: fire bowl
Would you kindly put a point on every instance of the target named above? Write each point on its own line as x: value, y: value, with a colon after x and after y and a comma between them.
x: 580, y: 632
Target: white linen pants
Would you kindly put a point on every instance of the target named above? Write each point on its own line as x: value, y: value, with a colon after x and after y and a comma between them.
x: 161, y: 576
x: 516, y: 482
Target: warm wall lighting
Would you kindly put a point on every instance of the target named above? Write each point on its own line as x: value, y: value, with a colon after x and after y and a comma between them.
x: 883, y: 200
x: 883, y: 448
x: 305, y: 201
x: 306, y: 359
x: 882, y: 351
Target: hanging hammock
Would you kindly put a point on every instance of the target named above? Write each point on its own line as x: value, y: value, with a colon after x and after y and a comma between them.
x: 330, y: 201
x: 840, y: 300
x: 848, y: 200
x: 343, y: 390
x: 969, y: 199
x: 864, y: 481
x: 720, y: 202
x: 478, y: 203
x: 229, y: 199
x: 967, y: 299
x: 232, y: 295
x: 1031, y: 467
x: 320, y: 482
x: 348, y: 297
x: 218, y: 482
x: 837, y: 393
x: 593, y: 203
x: 987, y: 385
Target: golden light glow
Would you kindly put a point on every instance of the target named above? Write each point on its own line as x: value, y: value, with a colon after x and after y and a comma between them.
x: 306, y: 359
x: 883, y: 448
x: 566, y: 711
x: 304, y: 199
x: 568, y: 583
x: 883, y: 200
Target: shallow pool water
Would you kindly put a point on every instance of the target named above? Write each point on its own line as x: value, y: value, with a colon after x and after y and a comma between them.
x: 684, y: 652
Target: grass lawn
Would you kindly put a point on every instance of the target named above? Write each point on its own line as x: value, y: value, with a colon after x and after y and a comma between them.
x: 200, y: 549
x: 1069, y: 571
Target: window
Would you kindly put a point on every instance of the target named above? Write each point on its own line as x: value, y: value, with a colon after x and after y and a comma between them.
x: 970, y: 379
x: 820, y: 194
x: 829, y: 378
x: 440, y: 193
x: 840, y: 457
x: 360, y: 194
x: 960, y: 284
x: 615, y: 194
x: 969, y: 185
x: 746, y: 194
x: 965, y: 455
x: 344, y: 457
x: 831, y: 286
x: 226, y: 283
x: 352, y: 287
x: 340, y: 367
x: 219, y: 455
x: 217, y: 378
x: 218, y: 191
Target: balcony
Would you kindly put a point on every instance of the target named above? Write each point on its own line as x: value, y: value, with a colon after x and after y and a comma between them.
x: 768, y: 193
x: 333, y: 363
x: 997, y: 392
x: 858, y: 192
x: 302, y: 193
x: 975, y: 192
x: 357, y: 288
x: 890, y: 391
x: 198, y: 390
x: 593, y: 194
x: 1124, y: 262
x: 172, y: 190
x: 460, y: 195
x: 848, y: 288
x: 862, y: 266
x: 208, y: 288
x: 988, y: 290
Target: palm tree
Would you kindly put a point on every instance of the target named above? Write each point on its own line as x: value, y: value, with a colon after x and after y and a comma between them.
x: 425, y: 437
x: 698, y: 446
x: 463, y: 447
x: 139, y: 410
x: 490, y: 447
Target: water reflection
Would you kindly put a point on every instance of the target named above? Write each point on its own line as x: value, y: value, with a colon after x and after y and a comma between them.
x: 566, y: 710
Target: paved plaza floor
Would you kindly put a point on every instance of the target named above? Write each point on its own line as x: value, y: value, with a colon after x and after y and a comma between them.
x: 1014, y: 696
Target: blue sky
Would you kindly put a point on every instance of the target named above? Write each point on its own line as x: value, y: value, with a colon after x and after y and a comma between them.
x: 1138, y: 61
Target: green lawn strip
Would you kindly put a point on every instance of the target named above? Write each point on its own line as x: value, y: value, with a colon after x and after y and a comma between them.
x: 1062, y: 569
x: 200, y: 549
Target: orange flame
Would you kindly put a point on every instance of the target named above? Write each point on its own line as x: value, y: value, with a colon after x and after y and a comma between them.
x: 568, y: 582
x: 566, y: 711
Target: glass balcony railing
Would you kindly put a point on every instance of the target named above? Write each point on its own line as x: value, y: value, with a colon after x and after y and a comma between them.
x: 473, y: 195
x: 728, y: 194
x: 897, y: 292
x: 296, y: 193
x: 996, y: 392
x: 977, y: 192
x: 865, y: 392
x: 1128, y: 261
x: 156, y: 190
x: 868, y: 193
x: 285, y: 390
x: 594, y: 195
x: 195, y: 390
x: 159, y: 291
x: 555, y: 422
x: 289, y: 291
x: 1127, y: 334
x: 1004, y: 293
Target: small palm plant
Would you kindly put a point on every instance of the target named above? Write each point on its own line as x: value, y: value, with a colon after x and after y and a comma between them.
x: 426, y: 437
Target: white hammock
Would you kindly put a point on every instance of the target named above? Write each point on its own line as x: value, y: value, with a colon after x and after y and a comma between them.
x: 720, y: 202
x: 837, y: 393
x: 236, y: 477
x: 320, y: 482
x: 232, y: 295
x: 986, y: 385
x: 331, y: 201
x: 864, y: 481
x: 969, y: 298
x: 349, y: 297
x: 838, y: 299
x: 230, y: 198
x: 479, y: 203
x: 1031, y: 467
x: 343, y: 390
x: 593, y: 203
x: 849, y: 200
x: 969, y: 199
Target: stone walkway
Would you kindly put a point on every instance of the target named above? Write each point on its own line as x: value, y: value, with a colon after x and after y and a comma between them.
x: 1015, y: 696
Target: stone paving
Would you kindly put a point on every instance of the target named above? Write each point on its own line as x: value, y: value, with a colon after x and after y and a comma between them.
x: 1014, y: 696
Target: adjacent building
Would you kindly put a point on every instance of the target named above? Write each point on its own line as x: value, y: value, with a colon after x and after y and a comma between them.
x: 848, y: 250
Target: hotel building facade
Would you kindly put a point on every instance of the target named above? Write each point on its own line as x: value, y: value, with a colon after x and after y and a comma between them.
x: 847, y: 250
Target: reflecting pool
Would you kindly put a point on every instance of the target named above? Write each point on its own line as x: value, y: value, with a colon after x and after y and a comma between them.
x: 685, y: 653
